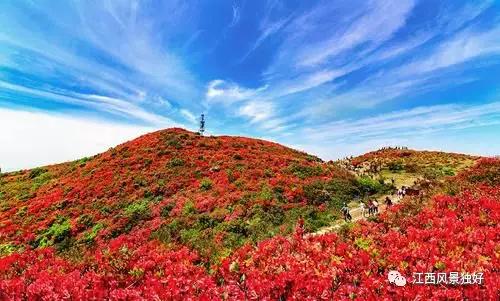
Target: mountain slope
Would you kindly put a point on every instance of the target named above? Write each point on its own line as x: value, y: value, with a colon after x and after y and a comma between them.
x: 173, y: 215
x: 211, y: 194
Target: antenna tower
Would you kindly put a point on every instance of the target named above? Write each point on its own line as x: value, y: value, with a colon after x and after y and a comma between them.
x: 202, y: 124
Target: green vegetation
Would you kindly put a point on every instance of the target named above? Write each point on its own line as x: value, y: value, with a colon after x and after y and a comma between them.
x: 175, y: 162
x: 90, y: 235
x: 35, y: 172
x: 7, y: 249
x: 138, y: 210
x: 206, y: 184
x: 305, y: 171
x: 56, y: 233
x: 333, y: 193
x: 369, y: 186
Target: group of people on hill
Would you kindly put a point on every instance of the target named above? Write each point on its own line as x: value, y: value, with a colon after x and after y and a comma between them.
x: 393, y: 148
x: 401, y: 192
x: 370, y: 208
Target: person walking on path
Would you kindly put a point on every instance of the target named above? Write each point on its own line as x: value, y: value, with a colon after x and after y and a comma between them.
x: 375, y: 207
x: 388, y: 201
x: 363, y: 208
x: 345, y: 211
x: 371, y: 208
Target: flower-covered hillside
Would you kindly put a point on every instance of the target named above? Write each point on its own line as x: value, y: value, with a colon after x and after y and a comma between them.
x: 210, y: 194
x: 454, y: 236
x: 440, y: 234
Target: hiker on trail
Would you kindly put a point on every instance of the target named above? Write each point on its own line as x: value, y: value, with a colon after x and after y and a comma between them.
x: 401, y: 192
x: 363, y: 208
x: 371, y: 208
x: 375, y: 206
x: 388, y: 201
x: 345, y: 211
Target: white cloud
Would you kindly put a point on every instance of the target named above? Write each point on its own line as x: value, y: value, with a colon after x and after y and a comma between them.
x: 188, y: 115
x: 257, y: 111
x: 379, y: 21
x: 421, y: 128
x: 407, y: 122
x: 97, y: 102
x: 465, y: 46
x: 225, y: 92
x: 119, y: 49
x: 31, y: 139
x: 236, y: 15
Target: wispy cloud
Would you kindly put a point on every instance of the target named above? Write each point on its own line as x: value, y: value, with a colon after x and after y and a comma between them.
x: 417, y: 127
x: 408, y: 122
x: 323, y: 49
x: 376, y: 24
x: 257, y: 110
x: 465, y: 46
x: 227, y: 92
x: 188, y: 115
x: 114, y: 51
x: 96, y: 102
x: 236, y: 15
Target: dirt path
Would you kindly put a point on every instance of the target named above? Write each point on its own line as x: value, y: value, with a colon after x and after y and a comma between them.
x: 356, y: 211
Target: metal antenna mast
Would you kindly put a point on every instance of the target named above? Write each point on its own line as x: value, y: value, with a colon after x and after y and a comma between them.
x: 202, y: 124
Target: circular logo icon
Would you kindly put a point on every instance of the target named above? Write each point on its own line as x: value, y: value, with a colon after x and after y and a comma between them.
x: 396, y: 278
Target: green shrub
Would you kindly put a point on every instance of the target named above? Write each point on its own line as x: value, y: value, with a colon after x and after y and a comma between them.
x: 206, y: 221
x: 35, y: 172
x: 174, y: 142
x: 169, y: 233
x: 230, y: 175
x: 395, y: 166
x: 86, y: 221
x: 165, y: 210
x: 363, y: 243
x: 316, y: 193
x: 175, y: 162
x: 56, y: 233
x: 411, y: 168
x: 138, y: 210
x: 206, y: 184
x: 334, y: 192
x: 90, y: 235
x: 268, y: 173
x: 6, y: 249
x: 368, y: 185
x: 266, y: 193
x: 305, y: 171
x: 315, y: 219
x: 148, y: 162
x: 188, y: 208
x: 448, y: 171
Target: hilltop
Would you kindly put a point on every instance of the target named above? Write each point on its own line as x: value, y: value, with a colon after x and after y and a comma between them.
x: 175, y: 215
x: 212, y: 194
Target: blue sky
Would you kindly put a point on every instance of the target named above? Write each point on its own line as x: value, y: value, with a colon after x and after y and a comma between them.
x: 329, y: 77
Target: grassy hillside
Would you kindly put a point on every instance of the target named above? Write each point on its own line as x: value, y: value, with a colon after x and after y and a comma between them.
x: 429, y: 164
